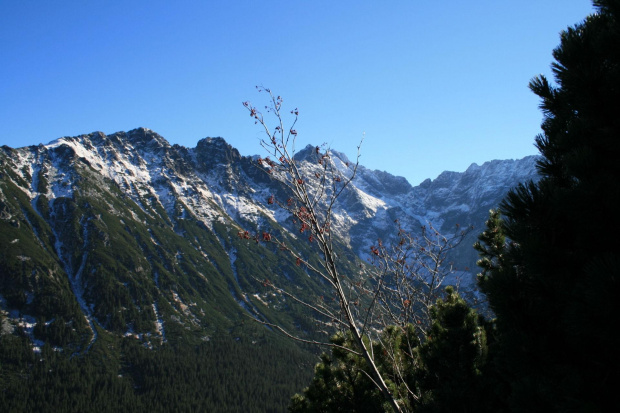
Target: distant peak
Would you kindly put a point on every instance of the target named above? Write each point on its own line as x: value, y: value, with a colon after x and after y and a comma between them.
x: 146, y: 136
x: 213, y: 142
x: 216, y: 149
x: 310, y: 150
x: 142, y: 131
x: 305, y: 152
x: 474, y: 166
x: 508, y: 163
x: 216, y: 140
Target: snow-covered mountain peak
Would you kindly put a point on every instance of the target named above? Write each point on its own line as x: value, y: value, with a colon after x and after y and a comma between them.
x: 95, y: 190
x: 308, y: 154
x: 213, y: 182
x: 143, y: 136
x: 210, y: 152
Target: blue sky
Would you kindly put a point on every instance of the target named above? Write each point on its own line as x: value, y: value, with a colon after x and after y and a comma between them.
x: 434, y: 85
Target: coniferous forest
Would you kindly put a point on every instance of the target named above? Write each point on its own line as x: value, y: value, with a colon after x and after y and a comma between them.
x: 549, y: 268
x: 255, y: 375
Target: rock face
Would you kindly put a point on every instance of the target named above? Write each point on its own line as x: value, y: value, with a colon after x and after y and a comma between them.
x: 133, y: 235
x: 450, y: 199
x: 376, y: 199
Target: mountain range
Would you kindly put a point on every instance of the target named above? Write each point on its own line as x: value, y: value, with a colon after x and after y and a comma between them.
x: 120, y: 254
x: 132, y: 235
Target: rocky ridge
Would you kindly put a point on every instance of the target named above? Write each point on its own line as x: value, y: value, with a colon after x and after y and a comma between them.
x: 128, y: 233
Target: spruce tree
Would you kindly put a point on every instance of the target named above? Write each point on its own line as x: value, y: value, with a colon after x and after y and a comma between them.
x: 552, y: 282
x: 443, y: 373
x: 452, y: 362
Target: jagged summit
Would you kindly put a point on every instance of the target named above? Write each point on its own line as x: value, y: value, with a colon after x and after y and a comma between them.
x: 139, y: 139
x: 308, y: 153
x: 141, y: 161
x: 143, y: 234
x: 216, y: 151
x: 144, y: 136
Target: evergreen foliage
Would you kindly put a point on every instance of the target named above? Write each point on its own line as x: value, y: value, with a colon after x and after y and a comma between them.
x: 552, y: 285
x: 222, y: 375
x: 453, y: 359
x: 340, y: 384
x: 442, y: 374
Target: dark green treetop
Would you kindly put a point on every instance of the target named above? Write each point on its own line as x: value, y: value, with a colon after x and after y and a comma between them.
x: 443, y: 373
x: 552, y: 285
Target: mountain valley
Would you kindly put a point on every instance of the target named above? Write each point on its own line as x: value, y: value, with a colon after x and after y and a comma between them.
x: 122, y: 244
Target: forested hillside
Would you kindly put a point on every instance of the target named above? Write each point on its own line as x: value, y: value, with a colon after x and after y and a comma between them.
x: 136, y: 275
x: 250, y: 373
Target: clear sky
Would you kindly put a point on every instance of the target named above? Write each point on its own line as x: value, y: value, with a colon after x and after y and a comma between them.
x: 435, y: 85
